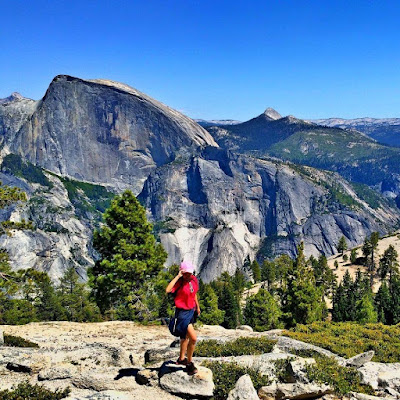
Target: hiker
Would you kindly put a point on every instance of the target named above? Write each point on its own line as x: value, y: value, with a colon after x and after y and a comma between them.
x: 185, y: 287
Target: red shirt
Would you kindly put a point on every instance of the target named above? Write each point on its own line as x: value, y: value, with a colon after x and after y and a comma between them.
x: 185, y: 295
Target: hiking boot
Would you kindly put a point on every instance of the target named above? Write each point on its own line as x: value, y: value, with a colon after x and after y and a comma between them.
x: 181, y: 362
x: 191, y: 369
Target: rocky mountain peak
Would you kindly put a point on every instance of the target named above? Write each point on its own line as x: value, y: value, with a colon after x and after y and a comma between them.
x: 272, y: 114
x: 15, y: 96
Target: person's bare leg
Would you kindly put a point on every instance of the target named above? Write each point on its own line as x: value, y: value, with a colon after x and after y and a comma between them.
x: 192, y: 342
x: 184, y: 346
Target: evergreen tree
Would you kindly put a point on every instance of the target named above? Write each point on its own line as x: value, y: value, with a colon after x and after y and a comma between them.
x: 39, y: 290
x: 283, y: 266
x: 353, y: 256
x: 342, y: 245
x: 302, y: 301
x: 74, y: 299
x: 388, y: 264
x: 228, y: 300
x: 324, y: 277
x: 129, y: 256
x: 383, y: 305
x: 268, y: 273
x: 365, y: 311
x: 8, y: 284
x: 395, y: 299
x: 210, y: 313
x: 255, y: 267
x: 262, y: 311
x: 339, y: 306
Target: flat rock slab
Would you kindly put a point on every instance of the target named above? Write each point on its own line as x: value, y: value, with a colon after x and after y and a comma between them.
x: 57, y: 372
x: 288, y: 345
x: 293, y: 391
x: 244, y: 390
x: 101, y: 380
x: 175, y: 380
x: 372, y: 371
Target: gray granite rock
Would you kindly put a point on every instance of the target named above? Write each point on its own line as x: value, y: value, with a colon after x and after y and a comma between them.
x: 244, y: 390
x: 175, y: 380
x: 360, y: 359
x: 372, y: 371
x: 147, y: 377
x: 293, y: 391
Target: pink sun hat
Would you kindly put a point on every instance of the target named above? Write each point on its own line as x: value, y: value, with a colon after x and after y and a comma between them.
x: 187, y: 266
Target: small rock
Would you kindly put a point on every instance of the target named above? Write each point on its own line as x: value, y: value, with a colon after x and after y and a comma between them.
x: 244, y: 390
x: 245, y: 328
x: 177, y: 381
x: 294, y: 391
x: 360, y: 359
x: 1, y: 337
x: 155, y: 355
x: 58, y: 372
x: 147, y: 377
x: 363, y: 396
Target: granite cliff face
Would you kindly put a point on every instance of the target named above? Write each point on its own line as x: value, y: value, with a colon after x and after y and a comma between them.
x: 218, y: 208
x: 63, y: 217
x: 209, y: 205
x: 99, y: 131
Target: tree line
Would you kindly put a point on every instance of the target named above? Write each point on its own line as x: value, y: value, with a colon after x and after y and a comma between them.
x: 128, y: 282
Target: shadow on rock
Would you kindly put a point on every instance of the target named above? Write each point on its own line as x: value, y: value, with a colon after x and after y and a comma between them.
x: 122, y: 373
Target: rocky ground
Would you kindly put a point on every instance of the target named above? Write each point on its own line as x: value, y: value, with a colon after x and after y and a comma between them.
x: 126, y: 361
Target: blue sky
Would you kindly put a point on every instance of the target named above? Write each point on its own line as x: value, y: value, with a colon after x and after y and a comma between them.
x: 214, y: 59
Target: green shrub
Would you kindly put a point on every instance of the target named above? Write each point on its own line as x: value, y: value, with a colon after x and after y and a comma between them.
x: 34, y: 392
x: 16, y: 341
x: 349, y: 338
x: 225, y: 376
x: 342, y: 379
x: 238, y: 347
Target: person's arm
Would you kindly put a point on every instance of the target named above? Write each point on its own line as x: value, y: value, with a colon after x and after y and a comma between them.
x: 197, y: 305
x: 172, y: 283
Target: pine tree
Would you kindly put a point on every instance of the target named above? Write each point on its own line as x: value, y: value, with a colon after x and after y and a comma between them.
x: 342, y: 245
x: 302, y: 301
x: 353, y: 256
x: 39, y: 290
x: 365, y: 310
x: 395, y: 297
x: 383, y: 305
x: 388, y: 264
x: 210, y: 313
x: 339, y: 306
x: 74, y: 299
x: 262, y: 311
x: 129, y: 256
x: 228, y: 300
x: 255, y: 267
x: 8, y: 283
x: 268, y: 273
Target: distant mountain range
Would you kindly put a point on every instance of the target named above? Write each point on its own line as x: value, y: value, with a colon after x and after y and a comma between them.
x: 355, y: 155
x: 383, y: 130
